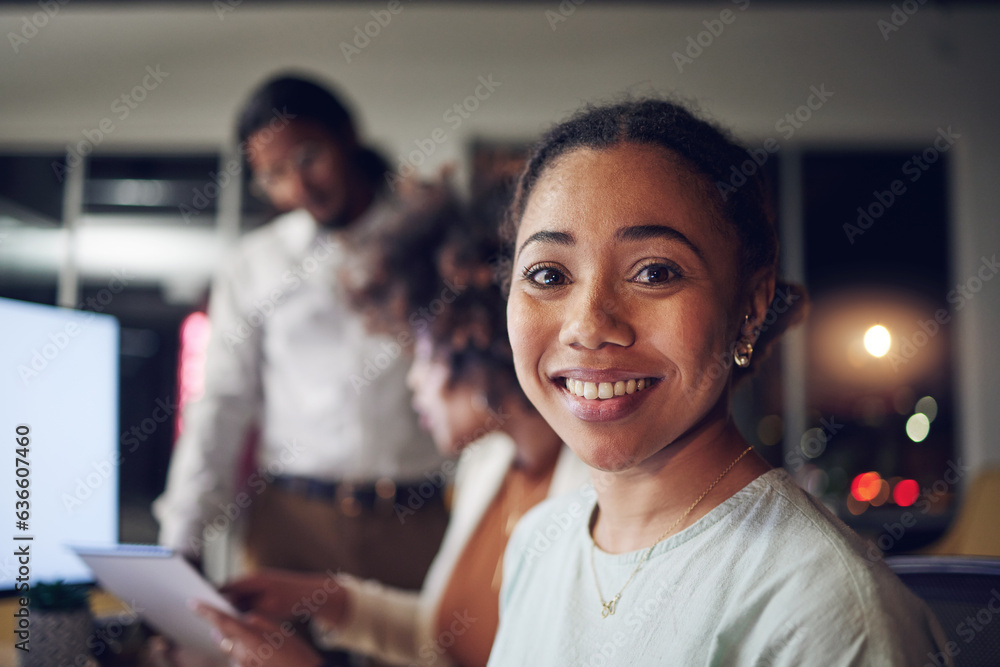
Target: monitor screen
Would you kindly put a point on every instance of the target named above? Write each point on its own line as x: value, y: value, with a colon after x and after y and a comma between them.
x: 58, y: 425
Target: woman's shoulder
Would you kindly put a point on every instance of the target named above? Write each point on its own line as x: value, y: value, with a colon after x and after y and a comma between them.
x: 795, y: 527
x: 796, y: 521
x: 807, y: 557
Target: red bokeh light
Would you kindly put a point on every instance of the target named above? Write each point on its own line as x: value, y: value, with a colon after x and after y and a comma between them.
x: 906, y: 492
x: 866, y: 486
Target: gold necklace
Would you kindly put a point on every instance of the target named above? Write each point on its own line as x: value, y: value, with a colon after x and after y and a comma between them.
x: 608, y: 607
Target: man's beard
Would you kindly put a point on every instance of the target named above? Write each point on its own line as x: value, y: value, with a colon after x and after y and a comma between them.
x: 340, y: 220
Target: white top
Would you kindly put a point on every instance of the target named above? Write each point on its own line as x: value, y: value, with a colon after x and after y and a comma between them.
x: 287, y: 353
x: 769, y: 577
x: 397, y: 626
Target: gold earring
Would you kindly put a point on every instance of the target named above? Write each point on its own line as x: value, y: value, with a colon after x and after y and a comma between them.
x: 743, y: 349
x: 742, y: 352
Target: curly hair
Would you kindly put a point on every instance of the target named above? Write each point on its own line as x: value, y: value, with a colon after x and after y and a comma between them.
x: 706, y: 151
x: 430, y: 268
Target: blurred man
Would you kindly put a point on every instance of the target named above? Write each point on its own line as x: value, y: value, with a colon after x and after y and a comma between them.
x: 340, y: 449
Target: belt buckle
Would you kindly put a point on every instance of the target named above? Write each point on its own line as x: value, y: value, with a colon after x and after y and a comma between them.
x: 347, y: 501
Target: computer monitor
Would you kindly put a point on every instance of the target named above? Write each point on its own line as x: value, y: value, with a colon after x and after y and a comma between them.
x: 59, y: 436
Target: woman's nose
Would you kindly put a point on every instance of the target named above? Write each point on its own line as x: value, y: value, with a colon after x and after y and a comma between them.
x: 594, y: 318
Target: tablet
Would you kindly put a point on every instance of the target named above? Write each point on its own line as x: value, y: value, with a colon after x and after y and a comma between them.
x: 157, y: 583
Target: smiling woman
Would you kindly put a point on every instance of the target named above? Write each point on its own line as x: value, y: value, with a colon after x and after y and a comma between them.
x: 639, y: 294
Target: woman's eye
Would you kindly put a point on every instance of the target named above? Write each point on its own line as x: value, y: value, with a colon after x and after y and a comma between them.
x: 655, y: 274
x: 545, y: 276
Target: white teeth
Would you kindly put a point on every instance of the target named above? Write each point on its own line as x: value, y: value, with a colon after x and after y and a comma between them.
x: 604, y: 390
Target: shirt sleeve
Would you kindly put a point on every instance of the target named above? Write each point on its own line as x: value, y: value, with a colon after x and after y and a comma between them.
x: 203, y: 465
x: 385, y: 623
x: 873, y: 620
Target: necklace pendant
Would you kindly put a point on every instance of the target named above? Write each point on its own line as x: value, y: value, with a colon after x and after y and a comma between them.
x: 609, y: 606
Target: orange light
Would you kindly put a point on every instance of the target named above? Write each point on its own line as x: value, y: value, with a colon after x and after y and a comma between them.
x: 906, y: 492
x: 866, y: 486
x: 856, y: 507
x: 882, y: 495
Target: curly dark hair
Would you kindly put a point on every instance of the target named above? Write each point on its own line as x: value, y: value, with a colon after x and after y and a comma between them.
x: 709, y: 154
x: 430, y: 268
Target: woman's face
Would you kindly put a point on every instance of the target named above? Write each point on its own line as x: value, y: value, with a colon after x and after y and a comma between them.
x: 622, y: 279
x: 450, y: 414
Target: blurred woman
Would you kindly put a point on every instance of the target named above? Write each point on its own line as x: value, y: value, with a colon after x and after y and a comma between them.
x: 425, y: 275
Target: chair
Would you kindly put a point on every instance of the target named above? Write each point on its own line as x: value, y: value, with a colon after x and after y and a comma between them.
x: 964, y: 594
x: 976, y: 529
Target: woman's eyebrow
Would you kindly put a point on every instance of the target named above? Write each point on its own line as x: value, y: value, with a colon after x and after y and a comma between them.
x: 545, y: 236
x: 647, y: 232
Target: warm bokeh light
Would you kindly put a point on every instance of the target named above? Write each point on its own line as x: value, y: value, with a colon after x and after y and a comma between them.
x: 813, y: 442
x: 906, y: 492
x: 770, y: 429
x: 883, y: 494
x: 918, y: 426
x: 877, y: 341
x: 866, y: 486
x: 927, y: 406
x: 855, y: 506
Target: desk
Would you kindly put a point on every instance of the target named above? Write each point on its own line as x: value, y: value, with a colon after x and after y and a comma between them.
x: 108, y: 608
x: 103, y: 605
